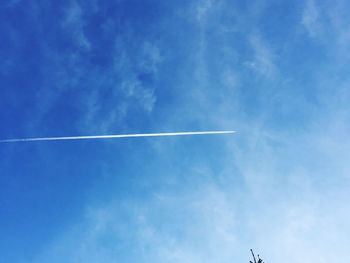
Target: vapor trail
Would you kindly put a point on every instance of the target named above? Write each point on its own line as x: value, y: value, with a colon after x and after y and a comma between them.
x: 116, y: 136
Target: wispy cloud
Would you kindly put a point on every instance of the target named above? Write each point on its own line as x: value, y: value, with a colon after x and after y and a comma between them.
x: 263, y: 58
x: 129, y: 81
x: 74, y: 23
x: 125, y: 79
x: 327, y: 23
x: 311, y: 19
x: 159, y: 232
x: 202, y: 9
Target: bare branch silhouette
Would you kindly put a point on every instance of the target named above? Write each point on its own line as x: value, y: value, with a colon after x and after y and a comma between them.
x: 259, y: 259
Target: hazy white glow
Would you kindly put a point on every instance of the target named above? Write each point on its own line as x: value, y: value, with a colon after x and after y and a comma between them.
x: 117, y: 136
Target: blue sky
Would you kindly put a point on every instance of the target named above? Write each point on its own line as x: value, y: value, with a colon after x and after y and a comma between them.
x: 276, y: 72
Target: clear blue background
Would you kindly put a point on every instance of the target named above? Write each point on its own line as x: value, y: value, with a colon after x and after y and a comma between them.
x: 276, y: 72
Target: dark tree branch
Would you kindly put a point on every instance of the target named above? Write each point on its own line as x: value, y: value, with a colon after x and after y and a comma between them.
x: 259, y: 259
x: 251, y: 250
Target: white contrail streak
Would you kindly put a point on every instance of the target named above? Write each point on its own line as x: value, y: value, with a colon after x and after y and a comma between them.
x: 116, y: 136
